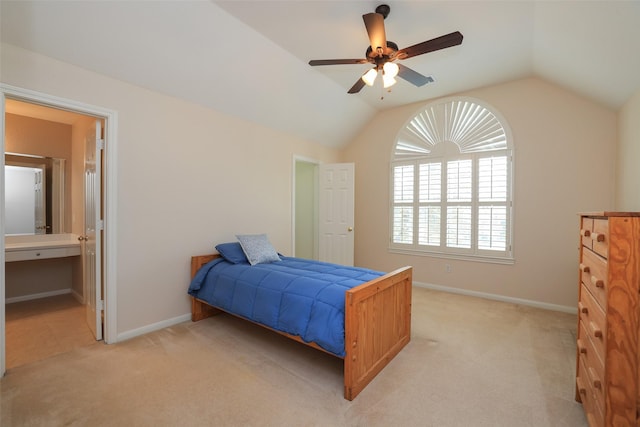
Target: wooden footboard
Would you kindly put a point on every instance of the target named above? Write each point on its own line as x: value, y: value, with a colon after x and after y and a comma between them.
x: 377, y: 324
x: 377, y: 327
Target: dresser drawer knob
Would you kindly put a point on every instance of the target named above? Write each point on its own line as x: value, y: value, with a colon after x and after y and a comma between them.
x: 596, y: 381
x: 585, y: 233
x: 582, y: 308
x: 598, y: 237
x: 598, y: 282
x: 581, y: 348
x: 595, y: 330
x: 584, y: 268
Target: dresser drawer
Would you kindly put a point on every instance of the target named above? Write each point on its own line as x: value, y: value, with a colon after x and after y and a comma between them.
x: 596, y: 386
x: 590, y: 356
x: 594, y: 414
x: 593, y: 274
x: 600, y: 237
x: 594, y: 320
x: 586, y: 227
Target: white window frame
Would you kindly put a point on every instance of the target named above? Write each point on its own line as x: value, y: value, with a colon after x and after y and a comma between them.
x: 422, y: 149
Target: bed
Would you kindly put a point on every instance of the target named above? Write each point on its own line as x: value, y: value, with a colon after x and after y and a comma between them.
x: 376, y: 322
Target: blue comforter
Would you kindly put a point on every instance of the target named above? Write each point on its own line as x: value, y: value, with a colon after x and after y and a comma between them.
x: 297, y: 296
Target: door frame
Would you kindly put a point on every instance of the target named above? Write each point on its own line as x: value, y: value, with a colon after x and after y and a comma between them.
x: 109, y: 175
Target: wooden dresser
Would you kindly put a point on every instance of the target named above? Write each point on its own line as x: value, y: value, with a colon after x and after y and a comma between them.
x: 608, y: 359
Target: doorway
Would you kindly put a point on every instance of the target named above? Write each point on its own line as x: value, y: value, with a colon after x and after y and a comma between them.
x: 107, y: 228
x: 323, y: 211
x: 305, y: 216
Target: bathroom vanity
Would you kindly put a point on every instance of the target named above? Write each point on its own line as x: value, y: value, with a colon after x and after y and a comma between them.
x: 41, y: 246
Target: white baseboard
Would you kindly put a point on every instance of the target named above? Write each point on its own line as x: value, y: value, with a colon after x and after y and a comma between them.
x: 37, y: 296
x: 153, y: 327
x: 185, y: 317
x: 495, y: 297
x: 77, y: 296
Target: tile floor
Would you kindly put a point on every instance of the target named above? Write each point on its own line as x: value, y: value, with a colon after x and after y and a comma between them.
x: 41, y: 328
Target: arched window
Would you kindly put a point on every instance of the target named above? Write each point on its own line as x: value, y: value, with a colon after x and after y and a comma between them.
x: 452, y: 183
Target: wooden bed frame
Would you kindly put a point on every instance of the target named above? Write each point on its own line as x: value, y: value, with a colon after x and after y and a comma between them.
x: 377, y: 324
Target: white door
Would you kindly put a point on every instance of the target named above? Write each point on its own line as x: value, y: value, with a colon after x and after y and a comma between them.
x: 92, y: 228
x: 336, y: 217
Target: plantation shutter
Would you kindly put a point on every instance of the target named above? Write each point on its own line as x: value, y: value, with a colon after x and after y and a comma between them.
x: 451, y: 183
x: 403, y: 204
x: 492, y: 203
x: 430, y: 210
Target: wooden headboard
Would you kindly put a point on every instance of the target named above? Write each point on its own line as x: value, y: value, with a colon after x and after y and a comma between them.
x: 200, y: 260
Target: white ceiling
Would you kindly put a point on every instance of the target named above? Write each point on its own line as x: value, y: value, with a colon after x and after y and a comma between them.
x: 250, y: 58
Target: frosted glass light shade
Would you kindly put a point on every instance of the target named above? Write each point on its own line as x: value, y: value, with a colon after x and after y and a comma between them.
x: 391, y: 69
x: 388, y: 81
x: 370, y: 76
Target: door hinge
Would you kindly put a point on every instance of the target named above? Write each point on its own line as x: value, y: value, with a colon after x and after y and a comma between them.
x: 101, y: 224
x: 100, y: 144
x: 100, y: 305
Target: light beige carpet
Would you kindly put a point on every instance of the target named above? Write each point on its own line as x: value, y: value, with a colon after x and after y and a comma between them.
x: 41, y: 328
x: 471, y: 362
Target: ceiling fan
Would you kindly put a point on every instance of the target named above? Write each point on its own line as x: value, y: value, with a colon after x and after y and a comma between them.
x: 383, y: 53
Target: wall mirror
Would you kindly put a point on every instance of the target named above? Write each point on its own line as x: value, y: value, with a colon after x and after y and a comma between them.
x: 34, y: 195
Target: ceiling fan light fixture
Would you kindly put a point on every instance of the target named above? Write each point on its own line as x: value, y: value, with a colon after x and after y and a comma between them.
x: 370, y: 76
x: 383, y: 53
x: 388, y: 81
x: 391, y: 69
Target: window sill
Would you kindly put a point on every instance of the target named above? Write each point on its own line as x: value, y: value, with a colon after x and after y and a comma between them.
x: 463, y: 257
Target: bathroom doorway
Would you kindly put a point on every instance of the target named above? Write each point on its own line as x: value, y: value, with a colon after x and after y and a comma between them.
x: 24, y: 105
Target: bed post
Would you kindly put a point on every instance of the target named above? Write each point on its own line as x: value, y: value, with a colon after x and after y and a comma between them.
x: 199, y: 309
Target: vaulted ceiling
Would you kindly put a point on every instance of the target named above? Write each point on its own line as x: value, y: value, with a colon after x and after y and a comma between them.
x: 250, y: 58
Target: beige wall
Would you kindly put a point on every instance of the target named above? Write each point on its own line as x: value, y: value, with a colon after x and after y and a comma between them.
x: 628, y: 165
x: 37, y: 137
x: 564, y: 149
x: 188, y: 178
x: 35, y: 277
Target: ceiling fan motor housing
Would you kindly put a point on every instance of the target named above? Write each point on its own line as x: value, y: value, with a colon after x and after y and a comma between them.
x: 383, y: 10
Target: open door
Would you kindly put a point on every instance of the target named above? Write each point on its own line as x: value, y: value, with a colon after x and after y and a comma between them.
x: 92, y: 229
x: 337, y: 187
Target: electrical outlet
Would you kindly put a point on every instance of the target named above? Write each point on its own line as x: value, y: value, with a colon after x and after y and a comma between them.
x: 447, y: 268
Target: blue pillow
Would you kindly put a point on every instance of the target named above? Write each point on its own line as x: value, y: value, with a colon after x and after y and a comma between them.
x: 232, y: 252
x: 257, y: 248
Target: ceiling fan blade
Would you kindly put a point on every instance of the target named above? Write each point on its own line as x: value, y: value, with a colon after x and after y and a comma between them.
x: 357, y: 86
x: 413, y: 77
x: 315, y: 62
x: 374, y: 22
x: 442, y: 42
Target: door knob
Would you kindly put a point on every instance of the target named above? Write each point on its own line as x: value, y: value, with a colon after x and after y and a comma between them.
x: 350, y: 229
x: 81, y: 238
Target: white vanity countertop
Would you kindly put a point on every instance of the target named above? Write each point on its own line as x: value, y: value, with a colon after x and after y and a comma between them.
x: 40, y: 241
